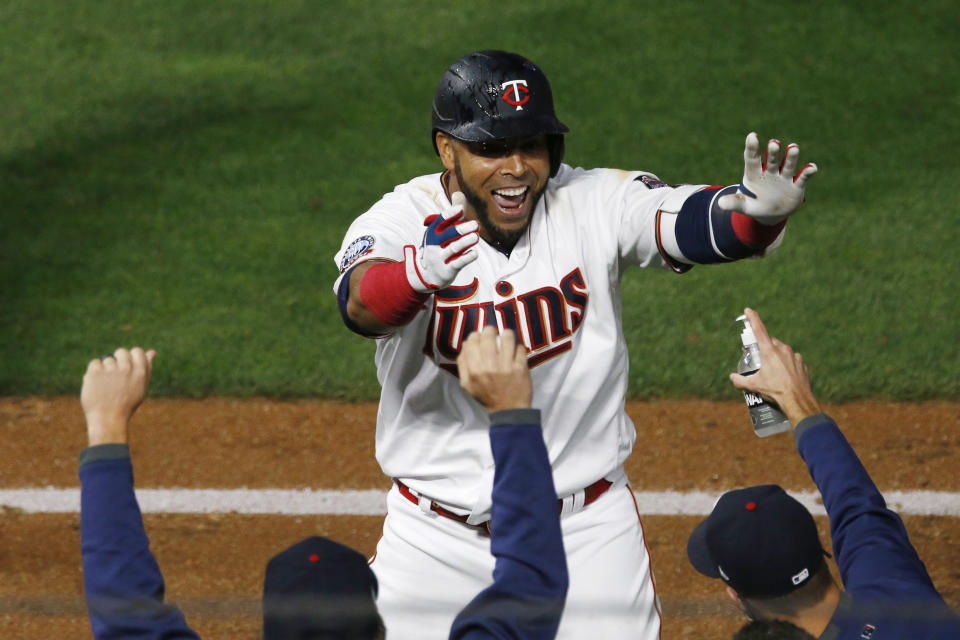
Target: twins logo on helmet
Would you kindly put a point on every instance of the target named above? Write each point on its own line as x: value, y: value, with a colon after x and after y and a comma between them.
x: 518, y: 96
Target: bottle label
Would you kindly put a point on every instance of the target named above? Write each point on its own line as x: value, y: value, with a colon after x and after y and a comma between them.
x: 753, y: 399
x: 766, y: 416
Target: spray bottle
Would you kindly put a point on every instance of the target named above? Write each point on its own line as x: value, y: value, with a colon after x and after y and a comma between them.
x: 766, y: 415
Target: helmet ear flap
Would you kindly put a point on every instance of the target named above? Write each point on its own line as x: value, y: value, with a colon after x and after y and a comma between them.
x: 555, y: 148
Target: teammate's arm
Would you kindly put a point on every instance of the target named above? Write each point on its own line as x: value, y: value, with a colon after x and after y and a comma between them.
x: 721, y: 224
x: 123, y: 586
x: 530, y: 583
x: 873, y: 551
x: 375, y: 297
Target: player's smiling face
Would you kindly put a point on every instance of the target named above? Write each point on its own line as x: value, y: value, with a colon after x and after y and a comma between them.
x: 502, y: 181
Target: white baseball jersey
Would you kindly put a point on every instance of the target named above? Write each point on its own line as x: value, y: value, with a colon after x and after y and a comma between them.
x: 558, y: 289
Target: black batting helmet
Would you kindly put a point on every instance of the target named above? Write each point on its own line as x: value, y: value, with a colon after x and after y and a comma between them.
x: 491, y: 95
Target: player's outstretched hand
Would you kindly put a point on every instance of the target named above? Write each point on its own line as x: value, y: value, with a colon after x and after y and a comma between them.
x: 113, y: 388
x: 783, y: 376
x: 445, y: 248
x: 493, y: 369
x: 770, y: 191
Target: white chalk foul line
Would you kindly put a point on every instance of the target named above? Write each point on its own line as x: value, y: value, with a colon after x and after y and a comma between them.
x: 373, y: 502
x: 697, y: 503
x: 249, y: 501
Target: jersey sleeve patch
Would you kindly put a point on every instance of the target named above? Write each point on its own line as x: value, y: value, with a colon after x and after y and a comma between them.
x: 357, y: 249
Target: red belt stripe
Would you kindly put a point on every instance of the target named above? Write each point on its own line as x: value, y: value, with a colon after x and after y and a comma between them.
x: 590, y: 494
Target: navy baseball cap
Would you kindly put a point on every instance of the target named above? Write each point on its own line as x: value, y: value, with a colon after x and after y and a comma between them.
x: 759, y: 540
x: 320, y: 589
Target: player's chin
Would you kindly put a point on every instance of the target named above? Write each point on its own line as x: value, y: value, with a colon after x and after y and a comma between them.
x: 513, y: 220
x: 511, y: 227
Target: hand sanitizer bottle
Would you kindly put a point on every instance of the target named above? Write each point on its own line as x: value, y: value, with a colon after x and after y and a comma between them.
x: 766, y: 415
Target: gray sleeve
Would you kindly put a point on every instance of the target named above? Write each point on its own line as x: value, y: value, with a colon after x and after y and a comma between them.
x: 808, y: 423
x: 104, y: 452
x: 515, y: 416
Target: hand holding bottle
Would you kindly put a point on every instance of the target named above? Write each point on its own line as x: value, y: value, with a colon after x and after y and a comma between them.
x: 783, y: 378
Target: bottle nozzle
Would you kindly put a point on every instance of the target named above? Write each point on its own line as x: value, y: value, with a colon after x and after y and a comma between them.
x: 747, y: 337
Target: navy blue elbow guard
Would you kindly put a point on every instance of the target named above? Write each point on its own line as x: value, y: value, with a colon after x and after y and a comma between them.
x: 734, y: 235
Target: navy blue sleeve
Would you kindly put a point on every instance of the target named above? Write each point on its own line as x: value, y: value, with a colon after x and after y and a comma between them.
x: 343, y: 294
x: 122, y: 582
x: 872, y: 549
x: 530, y: 576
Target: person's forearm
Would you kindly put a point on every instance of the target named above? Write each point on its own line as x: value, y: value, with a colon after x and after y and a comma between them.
x: 869, y: 540
x: 530, y: 575
x: 835, y: 467
x: 106, y: 430
x: 798, y: 406
x: 697, y: 231
x: 123, y: 586
x: 375, y: 304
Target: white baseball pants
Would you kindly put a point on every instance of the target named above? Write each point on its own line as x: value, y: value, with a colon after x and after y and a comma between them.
x: 429, y: 567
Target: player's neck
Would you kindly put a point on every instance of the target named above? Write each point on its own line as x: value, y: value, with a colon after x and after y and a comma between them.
x: 815, y: 619
x: 449, y: 182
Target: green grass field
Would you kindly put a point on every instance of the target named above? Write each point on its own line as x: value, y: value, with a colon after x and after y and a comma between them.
x: 179, y: 175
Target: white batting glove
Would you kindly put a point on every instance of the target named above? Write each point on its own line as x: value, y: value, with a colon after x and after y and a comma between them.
x: 444, y: 250
x: 769, y: 192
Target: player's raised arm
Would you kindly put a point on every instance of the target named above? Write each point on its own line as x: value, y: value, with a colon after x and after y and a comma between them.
x: 720, y: 224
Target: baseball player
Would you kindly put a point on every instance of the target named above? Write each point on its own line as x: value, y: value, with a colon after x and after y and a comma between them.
x: 509, y: 236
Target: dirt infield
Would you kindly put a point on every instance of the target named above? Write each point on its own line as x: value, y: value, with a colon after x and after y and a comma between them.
x: 214, y: 563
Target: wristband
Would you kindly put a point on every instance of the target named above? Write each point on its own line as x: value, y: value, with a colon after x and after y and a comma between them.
x: 387, y: 294
x: 754, y: 233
